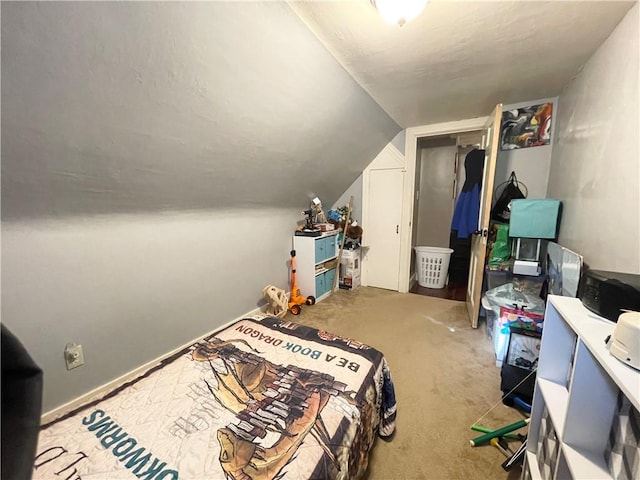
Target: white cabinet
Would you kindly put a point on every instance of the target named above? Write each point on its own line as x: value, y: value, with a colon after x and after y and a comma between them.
x: 315, y: 264
x: 585, y: 417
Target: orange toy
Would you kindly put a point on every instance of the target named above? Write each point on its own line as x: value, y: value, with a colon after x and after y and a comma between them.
x: 297, y: 300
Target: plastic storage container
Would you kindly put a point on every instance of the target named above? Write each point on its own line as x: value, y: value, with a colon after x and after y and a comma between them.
x: 523, y: 283
x: 506, y: 296
x: 432, y: 266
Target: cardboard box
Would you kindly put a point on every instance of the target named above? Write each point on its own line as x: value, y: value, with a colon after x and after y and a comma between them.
x: 350, y: 269
x: 350, y: 283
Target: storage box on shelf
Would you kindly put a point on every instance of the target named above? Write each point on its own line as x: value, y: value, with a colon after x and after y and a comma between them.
x: 316, y: 265
x: 577, y: 409
x: 350, y: 269
x: 509, y: 295
x: 525, y: 283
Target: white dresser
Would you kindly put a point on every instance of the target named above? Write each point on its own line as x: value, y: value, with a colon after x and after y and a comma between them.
x: 314, y: 256
x: 584, y: 420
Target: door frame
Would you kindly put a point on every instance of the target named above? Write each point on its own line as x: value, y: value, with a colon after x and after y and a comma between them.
x: 412, y: 136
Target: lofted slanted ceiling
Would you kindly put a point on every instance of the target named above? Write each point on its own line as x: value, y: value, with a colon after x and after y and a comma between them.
x: 132, y: 107
x: 126, y: 107
x: 460, y: 58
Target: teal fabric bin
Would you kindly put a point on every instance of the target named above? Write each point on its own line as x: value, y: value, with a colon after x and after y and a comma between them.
x: 534, y: 218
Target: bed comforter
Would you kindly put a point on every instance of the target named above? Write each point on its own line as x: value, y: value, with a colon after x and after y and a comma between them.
x: 261, y: 399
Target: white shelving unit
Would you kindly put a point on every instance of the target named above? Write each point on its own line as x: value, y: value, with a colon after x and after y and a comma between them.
x: 313, y: 255
x: 576, y: 396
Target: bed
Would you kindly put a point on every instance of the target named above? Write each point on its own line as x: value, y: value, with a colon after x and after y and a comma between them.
x: 261, y: 399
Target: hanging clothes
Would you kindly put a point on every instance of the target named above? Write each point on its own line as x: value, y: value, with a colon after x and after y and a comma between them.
x: 465, y: 218
x: 465, y: 215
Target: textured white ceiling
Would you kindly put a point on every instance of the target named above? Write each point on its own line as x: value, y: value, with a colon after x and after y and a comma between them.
x: 460, y: 58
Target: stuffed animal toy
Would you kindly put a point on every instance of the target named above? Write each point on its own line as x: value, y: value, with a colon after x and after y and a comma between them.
x: 354, y: 231
x: 277, y: 301
x: 337, y: 217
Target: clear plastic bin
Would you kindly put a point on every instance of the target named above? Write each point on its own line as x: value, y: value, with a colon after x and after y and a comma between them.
x: 506, y: 296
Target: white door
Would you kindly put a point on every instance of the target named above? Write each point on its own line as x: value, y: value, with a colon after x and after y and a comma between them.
x: 479, y: 239
x: 382, y: 231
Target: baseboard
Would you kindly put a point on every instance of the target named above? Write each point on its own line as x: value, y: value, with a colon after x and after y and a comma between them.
x: 102, y: 390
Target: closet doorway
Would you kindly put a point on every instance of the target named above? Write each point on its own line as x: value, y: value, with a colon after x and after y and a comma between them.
x: 440, y: 176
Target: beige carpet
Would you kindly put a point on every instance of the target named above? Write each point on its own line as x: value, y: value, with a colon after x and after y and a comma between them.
x: 445, y: 379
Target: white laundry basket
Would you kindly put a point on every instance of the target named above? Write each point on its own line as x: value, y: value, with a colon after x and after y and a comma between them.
x: 432, y: 266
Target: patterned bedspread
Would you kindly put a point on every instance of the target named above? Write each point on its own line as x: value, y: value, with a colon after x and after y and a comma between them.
x: 261, y: 399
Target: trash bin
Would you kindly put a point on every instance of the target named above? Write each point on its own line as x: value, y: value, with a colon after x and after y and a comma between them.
x: 432, y: 265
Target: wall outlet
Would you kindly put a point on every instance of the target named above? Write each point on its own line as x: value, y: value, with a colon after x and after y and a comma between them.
x: 73, y: 356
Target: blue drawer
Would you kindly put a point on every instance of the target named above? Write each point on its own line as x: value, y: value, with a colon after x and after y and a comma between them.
x: 329, y: 277
x: 330, y: 246
x: 325, y: 248
x: 324, y: 282
x: 320, y: 249
x: 321, y: 287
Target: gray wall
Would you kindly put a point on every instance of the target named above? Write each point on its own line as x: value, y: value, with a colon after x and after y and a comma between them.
x: 530, y: 164
x: 155, y: 159
x: 399, y: 141
x: 355, y: 188
x: 143, y: 106
x: 595, y: 168
x: 130, y: 288
x: 436, y: 202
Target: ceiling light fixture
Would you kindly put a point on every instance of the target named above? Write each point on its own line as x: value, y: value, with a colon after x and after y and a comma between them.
x: 399, y: 12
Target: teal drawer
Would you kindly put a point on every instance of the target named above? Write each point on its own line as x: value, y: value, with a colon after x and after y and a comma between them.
x: 329, y: 277
x: 330, y: 246
x: 320, y: 250
x: 321, y: 287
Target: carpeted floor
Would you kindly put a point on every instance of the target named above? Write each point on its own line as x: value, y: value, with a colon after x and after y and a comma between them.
x: 445, y: 378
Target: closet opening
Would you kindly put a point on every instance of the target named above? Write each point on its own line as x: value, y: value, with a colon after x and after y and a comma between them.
x: 443, y: 186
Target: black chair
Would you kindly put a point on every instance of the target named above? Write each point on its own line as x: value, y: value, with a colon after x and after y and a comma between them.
x: 21, y: 408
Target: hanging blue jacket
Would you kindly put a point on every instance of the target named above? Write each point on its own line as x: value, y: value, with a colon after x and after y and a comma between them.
x: 467, y: 211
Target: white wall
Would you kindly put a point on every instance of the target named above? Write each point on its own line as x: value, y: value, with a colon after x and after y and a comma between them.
x: 130, y: 288
x: 595, y: 168
x: 530, y: 164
